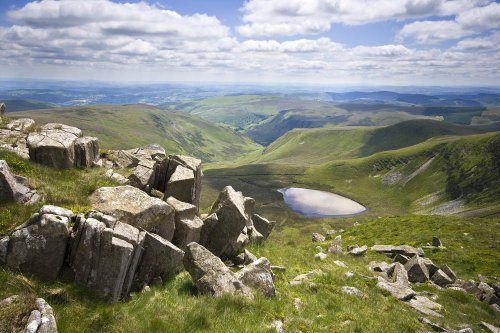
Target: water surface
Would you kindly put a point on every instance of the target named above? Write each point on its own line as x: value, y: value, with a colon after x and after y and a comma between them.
x: 314, y: 203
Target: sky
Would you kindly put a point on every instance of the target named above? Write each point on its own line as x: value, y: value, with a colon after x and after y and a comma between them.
x: 349, y: 42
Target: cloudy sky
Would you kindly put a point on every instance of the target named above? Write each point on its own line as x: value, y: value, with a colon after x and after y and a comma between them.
x: 368, y: 42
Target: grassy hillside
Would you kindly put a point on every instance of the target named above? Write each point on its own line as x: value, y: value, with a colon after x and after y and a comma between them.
x: 129, y: 126
x: 320, y: 145
x: 16, y: 105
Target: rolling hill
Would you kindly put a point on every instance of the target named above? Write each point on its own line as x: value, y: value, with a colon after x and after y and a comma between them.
x: 128, y: 126
x: 16, y: 105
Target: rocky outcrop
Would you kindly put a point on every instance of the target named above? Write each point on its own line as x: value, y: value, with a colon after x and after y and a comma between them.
x: 226, y: 236
x: 39, y: 319
x: 38, y: 246
x: 180, y: 183
x: 187, y: 225
x: 210, y: 275
x: 21, y: 125
x: 132, y: 206
x: 15, y: 188
x: 417, y: 270
x: 13, y: 137
x: 62, y: 146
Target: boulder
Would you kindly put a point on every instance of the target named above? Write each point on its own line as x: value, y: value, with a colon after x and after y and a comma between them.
x: 187, y: 225
x: 38, y: 246
x: 143, y: 176
x: 401, y: 258
x: 263, y: 225
x: 353, y: 291
x: 417, y: 270
x: 228, y: 235
x: 4, y: 246
x: 449, y: 272
x: 299, y: 279
x: 490, y: 328
x: 122, y: 159
x: 320, y: 256
x: 398, y: 274
x: 436, y: 241
x: 254, y: 236
x: 15, y: 188
x: 392, y: 250
x: 182, y: 186
x: 21, y: 125
x: 441, y: 279
x: 425, y: 306
x: 210, y: 275
x: 86, y: 151
x: 317, y: 237
x: 258, y: 275
x: 398, y: 284
x: 47, y: 320
x: 115, y: 176
x: 133, y: 206
x: 380, y: 267
x: 336, y: 245
x: 209, y: 223
x: 54, y: 145
x: 160, y: 259
x: 358, y: 251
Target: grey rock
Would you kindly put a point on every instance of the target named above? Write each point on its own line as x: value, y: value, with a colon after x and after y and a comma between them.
x: 48, y: 321
x: 54, y: 145
x: 436, y: 241
x: 3, y: 108
x: 258, y: 275
x: 434, y: 326
x: 358, y: 251
x: 21, y: 125
x: 317, y: 237
x: 254, y: 236
x: 398, y: 274
x: 34, y: 321
x: 38, y: 247
x: 441, y: 279
x: 449, y: 272
x: 86, y: 151
x: 143, y: 176
x: 263, y: 225
x: 490, y: 328
x: 401, y: 258
x: 353, y: 291
x: 209, y: 223
x: 320, y: 256
x: 431, y: 267
x: 340, y: 263
x: 182, y: 185
x: 55, y: 210
x: 401, y: 292
x: 380, y: 267
x: 417, y: 270
x: 299, y: 279
x: 392, y: 250
x: 425, y: 306
x: 210, y: 275
x: 278, y: 325
x: 4, y: 246
x: 472, y: 288
x: 228, y: 235
x: 336, y: 245
x: 183, y: 210
x: 15, y: 188
x: 187, y: 231
x: 122, y: 159
x: 133, y: 206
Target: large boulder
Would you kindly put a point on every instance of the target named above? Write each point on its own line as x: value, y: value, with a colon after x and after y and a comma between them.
x: 393, y: 250
x: 187, y: 225
x: 143, y: 175
x: 54, y: 145
x: 133, y: 206
x: 38, y: 246
x: 258, y: 275
x: 397, y: 283
x: 181, y: 184
x: 86, y: 151
x: 263, y: 225
x: 441, y: 279
x: 210, y: 275
x: 21, y: 124
x: 417, y: 270
x: 15, y: 188
x: 229, y: 233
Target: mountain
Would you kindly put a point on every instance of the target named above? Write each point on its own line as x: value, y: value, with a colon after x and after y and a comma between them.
x: 15, y: 105
x: 128, y: 126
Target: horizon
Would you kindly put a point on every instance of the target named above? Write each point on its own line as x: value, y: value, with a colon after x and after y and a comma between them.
x: 426, y: 43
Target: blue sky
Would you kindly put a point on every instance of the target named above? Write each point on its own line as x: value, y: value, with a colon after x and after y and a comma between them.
x: 404, y: 42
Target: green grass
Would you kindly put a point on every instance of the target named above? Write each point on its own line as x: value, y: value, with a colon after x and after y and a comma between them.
x: 15, y: 105
x: 130, y: 126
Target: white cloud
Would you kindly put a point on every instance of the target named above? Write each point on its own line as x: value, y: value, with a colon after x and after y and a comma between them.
x: 293, y: 17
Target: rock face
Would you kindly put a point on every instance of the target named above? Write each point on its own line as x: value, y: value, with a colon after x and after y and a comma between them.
x: 15, y: 188
x: 183, y: 183
x: 133, y: 206
x: 210, y: 275
x: 62, y: 146
x: 38, y: 246
x: 187, y: 225
x: 228, y: 234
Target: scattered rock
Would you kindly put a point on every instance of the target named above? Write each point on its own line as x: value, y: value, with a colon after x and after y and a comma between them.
x: 398, y: 285
x: 304, y: 277
x: 21, y: 125
x: 436, y: 241
x: 278, y: 268
x: 263, y: 225
x: 448, y: 271
x: 490, y: 327
x: 425, y: 306
x: 297, y: 302
x: 340, y: 263
x: 380, y: 267
x: 258, y: 275
x: 441, y: 279
x: 15, y: 188
x: 133, y: 206
x: 317, y: 238
x: 349, y: 274
x: 434, y: 326
x: 320, y: 256
x: 392, y: 250
x: 358, y: 251
x: 336, y: 245
x: 352, y: 291
x: 277, y: 325
x: 210, y: 275
x: 417, y: 270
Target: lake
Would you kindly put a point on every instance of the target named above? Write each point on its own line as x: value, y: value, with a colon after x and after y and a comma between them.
x: 314, y: 203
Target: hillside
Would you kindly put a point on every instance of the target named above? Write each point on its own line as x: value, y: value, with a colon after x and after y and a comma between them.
x: 128, y: 126
x: 320, y: 145
x: 16, y: 105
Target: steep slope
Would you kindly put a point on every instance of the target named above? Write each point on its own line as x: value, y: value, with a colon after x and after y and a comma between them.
x: 130, y: 126
x: 320, y: 145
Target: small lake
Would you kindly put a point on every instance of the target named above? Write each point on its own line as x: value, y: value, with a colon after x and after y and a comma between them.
x: 314, y: 203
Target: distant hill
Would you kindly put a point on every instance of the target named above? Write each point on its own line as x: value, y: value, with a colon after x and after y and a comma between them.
x: 128, y: 126
x: 319, y: 145
x: 16, y: 105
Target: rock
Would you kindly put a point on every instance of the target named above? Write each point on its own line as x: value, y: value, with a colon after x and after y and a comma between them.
x: 4, y: 246
x: 465, y: 330
x: 401, y: 258
x: 116, y: 177
x: 349, y: 274
x: 38, y: 246
x: 330, y: 232
x: 381, y: 266
x: 317, y: 238
x: 14, y: 188
x: 436, y: 241
x: 54, y: 145
x: 278, y: 268
x: 263, y: 226
x: 441, y: 279
x: 340, y: 263
x: 336, y: 245
x: 472, y: 288
x: 398, y: 274
x: 34, y: 321
x: 425, y: 306
x: 490, y: 327
x: 258, y: 275
x: 417, y: 270
x: 254, y: 236
x: 434, y: 326
x: 398, y: 286
x: 448, y: 271
x: 55, y: 210
x: 304, y: 277
x: 185, y: 186
x: 3, y: 108
x: 48, y: 321
x: 243, y: 258
x: 392, y: 250
x: 227, y: 236
x: 358, y: 251
x: 278, y: 326
x: 320, y: 256
x: 297, y: 303
x: 143, y: 176
x: 187, y: 225
x: 133, y: 206
x: 86, y: 151
x: 496, y: 307
x: 352, y: 291
x: 210, y: 275
x: 209, y: 223
x: 122, y: 159
x: 160, y: 259
x: 21, y: 125
x: 431, y: 267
